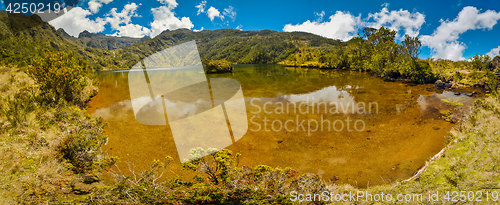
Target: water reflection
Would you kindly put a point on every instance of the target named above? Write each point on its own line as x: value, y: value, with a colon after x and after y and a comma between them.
x: 407, y: 129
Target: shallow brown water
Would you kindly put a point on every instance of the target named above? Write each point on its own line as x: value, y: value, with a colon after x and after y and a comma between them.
x: 404, y: 129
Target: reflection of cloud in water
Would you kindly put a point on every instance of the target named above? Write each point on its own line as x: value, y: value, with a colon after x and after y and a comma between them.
x: 115, y: 110
x: 180, y: 109
x: 328, y: 94
x: 422, y: 101
x: 331, y: 95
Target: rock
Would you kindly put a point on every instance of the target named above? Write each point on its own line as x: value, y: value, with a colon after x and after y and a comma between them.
x: 454, y: 86
x: 439, y: 84
x: 447, y: 85
x: 457, y: 93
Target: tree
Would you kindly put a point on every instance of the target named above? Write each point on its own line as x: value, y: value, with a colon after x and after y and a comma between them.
x: 480, y: 62
x: 412, y: 46
x: 367, y: 32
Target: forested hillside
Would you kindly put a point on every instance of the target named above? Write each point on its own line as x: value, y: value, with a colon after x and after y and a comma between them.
x: 20, y: 41
x: 376, y: 50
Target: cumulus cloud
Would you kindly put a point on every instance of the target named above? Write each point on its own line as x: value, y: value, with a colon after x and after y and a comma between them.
x: 122, y: 22
x: 169, y: 3
x: 201, y: 7
x: 340, y: 26
x: 76, y: 21
x: 494, y: 52
x: 123, y: 17
x: 95, y: 5
x: 397, y: 20
x: 444, y: 41
x: 343, y: 25
x: 164, y: 18
x: 230, y: 12
x: 213, y: 12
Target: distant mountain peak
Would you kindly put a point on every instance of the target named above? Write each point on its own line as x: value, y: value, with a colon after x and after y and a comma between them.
x: 87, y: 34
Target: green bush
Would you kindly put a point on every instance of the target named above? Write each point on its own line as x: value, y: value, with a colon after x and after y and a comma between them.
x: 217, y: 66
x: 81, y: 147
x: 492, y: 81
x: 62, y: 76
x: 475, y: 75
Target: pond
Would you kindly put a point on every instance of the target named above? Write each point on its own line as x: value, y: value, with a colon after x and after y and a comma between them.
x: 346, y: 126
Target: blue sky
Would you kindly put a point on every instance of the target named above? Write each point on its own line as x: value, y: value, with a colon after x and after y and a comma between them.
x: 449, y: 29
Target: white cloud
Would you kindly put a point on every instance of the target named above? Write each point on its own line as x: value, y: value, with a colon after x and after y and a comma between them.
x: 344, y: 25
x: 201, y: 7
x: 76, y: 21
x: 320, y: 16
x: 122, y: 22
x: 196, y: 30
x: 132, y: 30
x: 164, y: 18
x: 213, y: 12
x: 239, y: 27
x: 95, y: 5
x: 230, y: 12
x: 340, y: 26
x: 170, y: 3
x: 124, y: 17
x: 444, y: 41
x: 494, y: 52
x: 397, y: 20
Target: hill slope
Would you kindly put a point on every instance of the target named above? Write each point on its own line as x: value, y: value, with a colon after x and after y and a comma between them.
x: 100, y: 40
x: 25, y: 37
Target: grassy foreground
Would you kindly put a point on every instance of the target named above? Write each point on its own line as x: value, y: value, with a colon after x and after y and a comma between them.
x: 49, y: 150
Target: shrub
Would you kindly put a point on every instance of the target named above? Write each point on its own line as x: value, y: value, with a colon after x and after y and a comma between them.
x: 476, y: 75
x: 80, y: 148
x: 492, y: 81
x: 62, y: 76
x: 216, y: 166
x: 217, y: 66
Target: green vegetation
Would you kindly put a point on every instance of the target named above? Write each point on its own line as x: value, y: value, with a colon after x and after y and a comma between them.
x: 376, y: 51
x: 217, y: 66
x: 47, y: 148
x: 62, y: 76
x: 223, y: 182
